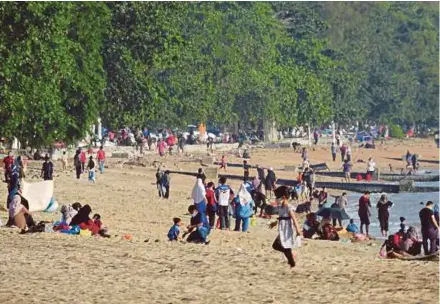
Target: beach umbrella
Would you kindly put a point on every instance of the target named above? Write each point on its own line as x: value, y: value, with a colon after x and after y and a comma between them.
x: 335, y: 213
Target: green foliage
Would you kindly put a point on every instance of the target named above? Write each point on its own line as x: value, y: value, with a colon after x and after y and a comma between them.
x: 396, y: 131
x: 173, y: 63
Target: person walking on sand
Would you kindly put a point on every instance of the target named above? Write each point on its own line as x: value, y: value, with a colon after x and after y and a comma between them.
x: 346, y: 168
x: 223, y: 163
x: 243, y: 209
x: 64, y: 161
x: 333, y: 149
x: 364, y: 212
x: 287, y: 236
x: 246, y: 168
x: 101, y: 159
x: 166, y: 183
x: 348, y: 153
x: 77, y: 164
x: 161, y: 147
x: 83, y: 160
x: 91, y: 168
x: 270, y: 182
x: 343, y: 150
x: 159, y: 179
x: 383, y: 206
x: 429, y: 229
x: 371, y: 167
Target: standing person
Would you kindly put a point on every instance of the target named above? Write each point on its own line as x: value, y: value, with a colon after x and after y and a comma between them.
x: 223, y: 163
x: 304, y: 154
x: 199, y: 199
x: 341, y: 203
x: 161, y: 147
x: 309, y: 178
x: 8, y: 161
x: 101, y: 159
x: 64, y: 161
x: 270, y: 182
x: 333, y: 149
x: 246, y: 168
x: 211, y: 204
x: 429, y: 229
x: 287, y: 236
x: 222, y: 193
x: 243, y: 209
x: 346, y: 168
x: 210, y: 145
x: 371, y: 166
x: 201, y: 175
x: 91, y: 168
x: 343, y: 150
x: 159, y: 180
x: 348, y: 153
x: 364, y: 212
x: 408, y: 158
x: 77, y: 164
x: 316, y: 136
x: 261, y: 177
x: 47, y: 169
x: 181, y: 141
x: 83, y: 159
x: 414, y: 162
x: 322, y: 198
x: 383, y: 206
x: 338, y: 137
x: 166, y: 183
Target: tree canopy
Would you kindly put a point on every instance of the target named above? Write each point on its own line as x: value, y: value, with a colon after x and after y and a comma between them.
x: 65, y: 64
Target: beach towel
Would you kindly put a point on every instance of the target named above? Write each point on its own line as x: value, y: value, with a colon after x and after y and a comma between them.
x: 39, y: 196
x: 199, y: 192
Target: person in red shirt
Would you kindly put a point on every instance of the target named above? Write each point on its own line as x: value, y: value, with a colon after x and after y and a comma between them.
x: 101, y: 159
x: 212, y: 204
x: 83, y: 160
x: 364, y: 212
x: 8, y: 161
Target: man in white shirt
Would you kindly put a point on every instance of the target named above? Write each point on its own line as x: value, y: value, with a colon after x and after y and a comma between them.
x: 371, y: 166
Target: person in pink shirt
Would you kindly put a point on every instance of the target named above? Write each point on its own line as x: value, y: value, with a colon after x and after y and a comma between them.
x: 83, y: 160
x: 161, y: 147
x: 101, y: 159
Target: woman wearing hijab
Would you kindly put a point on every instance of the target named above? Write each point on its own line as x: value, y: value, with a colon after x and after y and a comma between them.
x: 383, y: 214
x: 83, y: 220
x: 17, y: 212
x: 199, y: 198
x: 243, y: 209
x: 287, y: 235
x: 270, y: 181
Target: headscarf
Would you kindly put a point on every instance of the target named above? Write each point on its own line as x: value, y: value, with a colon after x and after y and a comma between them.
x: 82, y: 216
x: 68, y: 213
x: 199, y: 192
x: 244, y: 195
x: 383, y: 199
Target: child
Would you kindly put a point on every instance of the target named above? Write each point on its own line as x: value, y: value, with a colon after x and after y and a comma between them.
x: 174, y: 232
x: 223, y: 163
x: 102, y: 229
x: 352, y: 227
x: 91, y: 168
x: 402, y: 225
x: 212, y: 204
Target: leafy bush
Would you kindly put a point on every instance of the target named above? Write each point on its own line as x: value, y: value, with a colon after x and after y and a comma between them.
x: 396, y: 131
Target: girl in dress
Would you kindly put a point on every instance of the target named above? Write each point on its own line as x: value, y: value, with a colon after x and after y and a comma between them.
x: 287, y: 237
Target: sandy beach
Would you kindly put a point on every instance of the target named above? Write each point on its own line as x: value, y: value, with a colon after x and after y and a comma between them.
x: 234, y: 268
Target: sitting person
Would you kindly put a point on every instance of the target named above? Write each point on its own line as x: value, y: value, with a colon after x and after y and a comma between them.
x: 69, y: 211
x: 174, y: 232
x: 18, y: 212
x: 410, y: 242
x: 329, y: 233
x: 197, y: 228
x: 311, y: 226
x: 352, y: 227
x: 83, y: 220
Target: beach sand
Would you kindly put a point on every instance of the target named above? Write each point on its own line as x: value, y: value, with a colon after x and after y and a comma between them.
x: 233, y: 268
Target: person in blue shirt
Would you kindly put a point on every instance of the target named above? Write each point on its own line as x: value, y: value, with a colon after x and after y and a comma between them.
x: 352, y: 227
x: 174, y: 232
x: 198, y: 228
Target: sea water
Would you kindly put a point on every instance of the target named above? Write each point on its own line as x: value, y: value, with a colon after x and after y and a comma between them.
x: 407, y: 205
